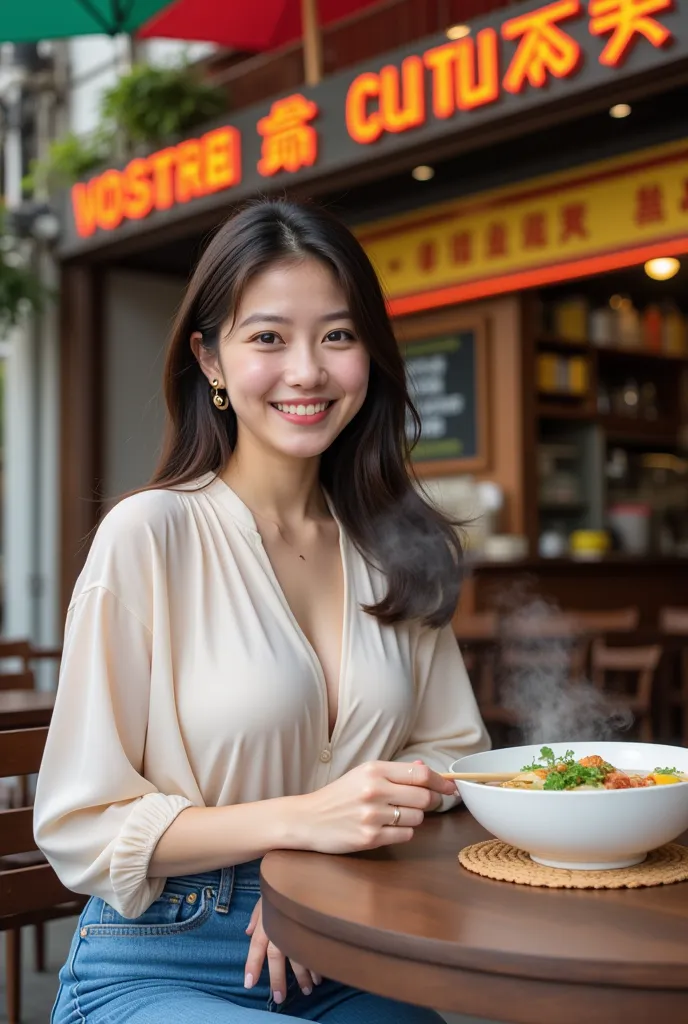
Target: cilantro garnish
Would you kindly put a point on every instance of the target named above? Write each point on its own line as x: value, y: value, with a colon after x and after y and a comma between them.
x: 666, y: 771
x: 565, y: 772
x: 548, y: 760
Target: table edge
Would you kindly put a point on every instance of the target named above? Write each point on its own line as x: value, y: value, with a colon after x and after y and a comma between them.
x: 487, y: 962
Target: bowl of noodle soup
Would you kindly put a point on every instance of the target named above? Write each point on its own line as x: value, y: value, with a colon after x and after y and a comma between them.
x: 600, y: 808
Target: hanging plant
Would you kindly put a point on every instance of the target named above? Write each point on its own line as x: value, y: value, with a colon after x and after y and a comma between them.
x: 68, y: 159
x: 21, y: 292
x: 151, y: 104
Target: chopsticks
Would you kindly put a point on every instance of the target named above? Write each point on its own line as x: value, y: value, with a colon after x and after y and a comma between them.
x: 480, y: 776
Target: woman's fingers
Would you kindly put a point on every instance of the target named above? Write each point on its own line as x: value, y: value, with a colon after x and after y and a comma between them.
x: 257, y: 947
x: 277, y: 966
x: 303, y: 977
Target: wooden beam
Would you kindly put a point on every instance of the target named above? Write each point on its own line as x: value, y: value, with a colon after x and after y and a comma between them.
x: 312, y: 42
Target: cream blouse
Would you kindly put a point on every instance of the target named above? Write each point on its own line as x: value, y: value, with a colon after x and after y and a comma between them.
x: 186, y: 681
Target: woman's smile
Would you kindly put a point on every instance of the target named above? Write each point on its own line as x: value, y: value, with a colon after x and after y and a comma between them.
x: 304, y: 412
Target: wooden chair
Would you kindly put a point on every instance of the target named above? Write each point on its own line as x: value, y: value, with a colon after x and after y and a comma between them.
x: 30, y: 891
x: 612, y: 666
x: 17, y: 680
x: 673, y: 622
x: 20, y: 650
x: 619, y: 620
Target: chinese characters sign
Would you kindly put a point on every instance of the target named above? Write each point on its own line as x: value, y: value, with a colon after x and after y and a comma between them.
x: 505, y: 67
x: 612, y: 214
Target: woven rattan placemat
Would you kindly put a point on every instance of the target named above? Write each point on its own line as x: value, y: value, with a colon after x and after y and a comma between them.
x: 498, y: 860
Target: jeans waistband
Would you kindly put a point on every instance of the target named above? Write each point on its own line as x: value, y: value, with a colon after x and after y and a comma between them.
x: 239, y: 876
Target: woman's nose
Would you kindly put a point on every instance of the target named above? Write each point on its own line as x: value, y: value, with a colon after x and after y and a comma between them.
x: 304, y: 368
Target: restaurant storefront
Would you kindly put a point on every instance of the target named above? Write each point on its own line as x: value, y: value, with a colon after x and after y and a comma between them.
x: 504, y: 210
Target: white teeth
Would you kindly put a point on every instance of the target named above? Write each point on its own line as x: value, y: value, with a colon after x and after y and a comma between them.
x: 302, y: 410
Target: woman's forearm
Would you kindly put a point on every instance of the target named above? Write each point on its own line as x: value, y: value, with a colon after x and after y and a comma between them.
x: 208, y: 838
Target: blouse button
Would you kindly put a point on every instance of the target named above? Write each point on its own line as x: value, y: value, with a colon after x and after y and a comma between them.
x: 325, y: 756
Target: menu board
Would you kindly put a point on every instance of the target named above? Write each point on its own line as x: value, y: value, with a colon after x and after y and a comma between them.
x: 442, y: 375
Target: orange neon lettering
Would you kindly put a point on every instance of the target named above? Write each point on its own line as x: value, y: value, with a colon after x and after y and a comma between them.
x: 108, y: 189
x: 289, y: 141
x: 440, y: 60
x: 363, y: 126
x: 84, y: 207
x: 137, y: 196
x: 163, y: 163
x: 188, y: 180
x: 402, y: 104
x: 477, y: 77
x: 534, y: 230
x: 573, y: 221
x: 626, y: 20
x: 543, y: 48
x: 496, y: 240
x: 649, y: 208
x: 221, y: 158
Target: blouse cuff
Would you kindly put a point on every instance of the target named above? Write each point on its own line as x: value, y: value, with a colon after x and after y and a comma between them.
x: 150, y: 817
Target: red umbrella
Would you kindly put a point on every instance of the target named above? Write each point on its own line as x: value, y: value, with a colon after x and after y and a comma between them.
x: 258, y: 25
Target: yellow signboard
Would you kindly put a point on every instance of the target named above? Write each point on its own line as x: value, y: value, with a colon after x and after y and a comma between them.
x: 612, y: 214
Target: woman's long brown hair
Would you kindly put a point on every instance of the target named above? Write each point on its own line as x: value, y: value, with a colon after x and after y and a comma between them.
x: 365, y: 471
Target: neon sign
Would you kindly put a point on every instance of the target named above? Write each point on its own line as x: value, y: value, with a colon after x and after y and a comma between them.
x: 519, y: 55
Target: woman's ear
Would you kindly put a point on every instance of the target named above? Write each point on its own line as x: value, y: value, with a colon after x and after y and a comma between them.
x: 207, y: 358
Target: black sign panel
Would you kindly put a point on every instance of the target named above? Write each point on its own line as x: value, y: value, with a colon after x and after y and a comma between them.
x: 514, y: 60
x: 443, y: 384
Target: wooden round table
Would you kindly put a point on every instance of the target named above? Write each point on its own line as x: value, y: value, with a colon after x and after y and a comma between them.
x: 410, y: 923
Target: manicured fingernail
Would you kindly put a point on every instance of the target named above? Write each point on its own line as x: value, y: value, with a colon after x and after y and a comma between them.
x: 317, y: 979
x: 277, y: 997
x: 248, y: 981
x: 306, y: 991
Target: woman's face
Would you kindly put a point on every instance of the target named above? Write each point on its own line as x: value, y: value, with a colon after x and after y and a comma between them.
x: 294, y: 369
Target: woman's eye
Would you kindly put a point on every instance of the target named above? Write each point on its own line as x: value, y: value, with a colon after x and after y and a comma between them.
x: 340, y: 335
x: 267, y: 338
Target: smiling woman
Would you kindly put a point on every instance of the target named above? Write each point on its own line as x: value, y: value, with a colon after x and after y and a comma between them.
x: 258, y: 653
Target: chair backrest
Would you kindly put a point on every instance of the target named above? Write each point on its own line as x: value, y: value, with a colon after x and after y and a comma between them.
x: 638, y: 662
x: 17, y: 681
x: 478, y: 626
x: 674, y: 621
x: 16, y: 649
x: 24, y: 889
x: 619, y: 620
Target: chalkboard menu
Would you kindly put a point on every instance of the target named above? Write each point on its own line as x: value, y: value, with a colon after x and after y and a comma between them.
x: 443, y: 378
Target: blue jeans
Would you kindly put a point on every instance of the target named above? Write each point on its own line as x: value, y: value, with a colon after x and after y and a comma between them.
x: 182, y: 962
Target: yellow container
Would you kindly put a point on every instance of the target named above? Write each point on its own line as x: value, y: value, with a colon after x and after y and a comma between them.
x: 589, y: 544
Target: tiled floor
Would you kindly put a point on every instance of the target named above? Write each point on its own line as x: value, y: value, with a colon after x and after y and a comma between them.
x: 39, y: 989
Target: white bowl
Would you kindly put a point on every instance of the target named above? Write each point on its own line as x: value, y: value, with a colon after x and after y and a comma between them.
x: 588, y: 830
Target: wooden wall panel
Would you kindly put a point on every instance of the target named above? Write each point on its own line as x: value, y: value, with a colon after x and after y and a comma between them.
x: 81, y: 400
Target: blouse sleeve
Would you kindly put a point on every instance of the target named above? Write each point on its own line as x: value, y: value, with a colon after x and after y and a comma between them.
x: 96, y: 818
x: 448, y: 724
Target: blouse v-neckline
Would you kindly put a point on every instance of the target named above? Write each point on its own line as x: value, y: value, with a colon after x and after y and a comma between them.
x: 243, y: 515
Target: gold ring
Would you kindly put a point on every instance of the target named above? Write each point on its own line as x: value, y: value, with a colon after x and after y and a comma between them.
x: 397, y: 815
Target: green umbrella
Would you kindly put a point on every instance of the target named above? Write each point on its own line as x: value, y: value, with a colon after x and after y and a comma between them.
x: 27, y: 21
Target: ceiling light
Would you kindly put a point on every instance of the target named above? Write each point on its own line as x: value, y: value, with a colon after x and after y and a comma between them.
x: 423, y: 172
x: 458, y: 31
x: 620, y: 110
x: 662, y: 268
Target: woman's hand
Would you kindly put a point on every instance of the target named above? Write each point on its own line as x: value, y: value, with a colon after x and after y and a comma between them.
x: 260, y: 948
x: 357, y: 812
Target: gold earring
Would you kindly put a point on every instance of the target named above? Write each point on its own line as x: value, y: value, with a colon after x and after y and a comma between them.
x: 219, y: 401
